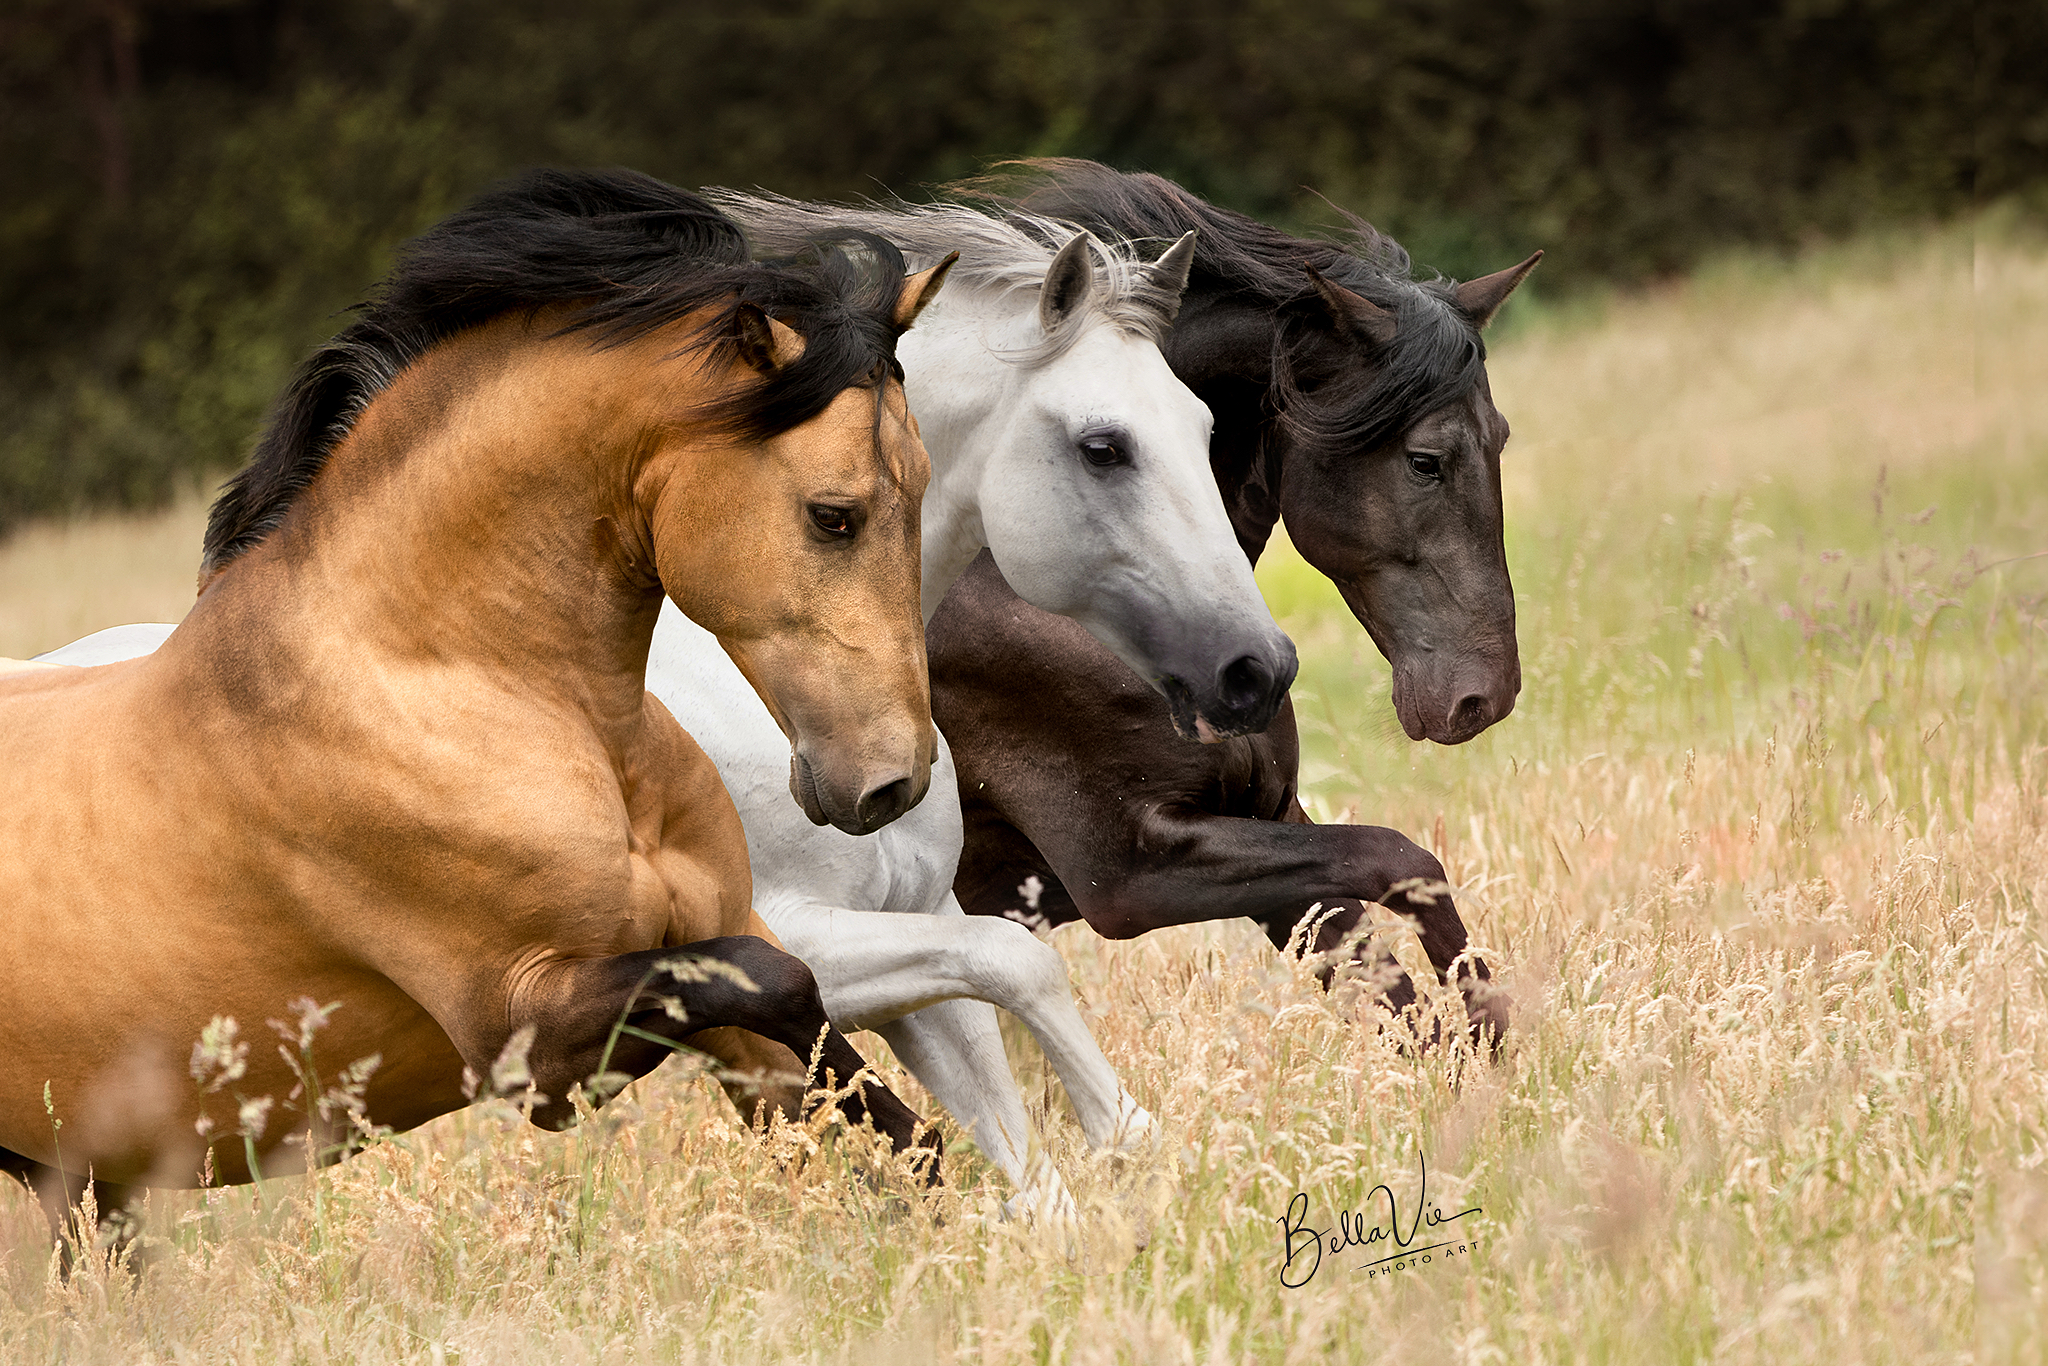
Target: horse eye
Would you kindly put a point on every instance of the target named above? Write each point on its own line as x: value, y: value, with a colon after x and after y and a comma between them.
x: 1099, y: 452
x: 831, y: 520
x: 1425, y: 464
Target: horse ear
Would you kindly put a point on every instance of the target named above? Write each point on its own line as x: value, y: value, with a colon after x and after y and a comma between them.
x: 1170, y: 271
x: 919, y: 290
x: 1480, y: 299
x: 1356, y: 316
x: 1069, y: 280
x: 764, y: 343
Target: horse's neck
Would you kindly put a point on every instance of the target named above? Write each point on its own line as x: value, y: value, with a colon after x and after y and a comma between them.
x: 959, y: 388
x: 1222, y: 348
x: 478, y: 509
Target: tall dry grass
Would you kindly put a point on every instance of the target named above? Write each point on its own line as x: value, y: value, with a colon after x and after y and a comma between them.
x: 1761, y: 857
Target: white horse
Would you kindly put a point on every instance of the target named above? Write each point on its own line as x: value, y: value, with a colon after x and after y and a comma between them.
x: 1061, y: 441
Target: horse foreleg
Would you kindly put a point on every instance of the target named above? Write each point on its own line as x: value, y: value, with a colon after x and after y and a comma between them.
x: 877, y: 966
x: 627, y: 1013
x: 1176, y: 865
x: 956, y: 1050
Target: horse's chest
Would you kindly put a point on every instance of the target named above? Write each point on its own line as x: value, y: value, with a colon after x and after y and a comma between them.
x: 1246, y: 778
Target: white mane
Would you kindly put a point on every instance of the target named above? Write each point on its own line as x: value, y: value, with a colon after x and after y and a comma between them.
x: 1003, y: 256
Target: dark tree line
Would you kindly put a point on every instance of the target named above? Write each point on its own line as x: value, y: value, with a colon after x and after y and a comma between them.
x: 192, y: 188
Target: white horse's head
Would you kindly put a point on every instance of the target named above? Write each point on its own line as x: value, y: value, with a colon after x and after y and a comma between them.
x: 1061, y: 440
x: 1078, y: 458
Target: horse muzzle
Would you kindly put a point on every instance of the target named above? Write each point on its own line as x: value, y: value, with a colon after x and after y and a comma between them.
x: 1241, y: 699
x: 860, y: 810
x: 1452, y: 705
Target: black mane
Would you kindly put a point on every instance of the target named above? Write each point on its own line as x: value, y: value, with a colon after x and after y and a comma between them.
x: 1435, y: 356
x: 633, y: 254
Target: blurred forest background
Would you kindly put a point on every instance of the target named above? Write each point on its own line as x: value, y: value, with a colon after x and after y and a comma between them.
x: 193, y: 188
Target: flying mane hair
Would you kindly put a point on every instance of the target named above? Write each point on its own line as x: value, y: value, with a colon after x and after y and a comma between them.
x: 1003, y: 253
x: 628, y: 254
x: 1434, y: 357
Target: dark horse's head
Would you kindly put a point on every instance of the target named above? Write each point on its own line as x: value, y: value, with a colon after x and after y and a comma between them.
x: 1350, y: 399
x: 1390, y: 484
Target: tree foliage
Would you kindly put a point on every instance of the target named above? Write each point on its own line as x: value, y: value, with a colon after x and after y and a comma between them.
x: 196, y: 187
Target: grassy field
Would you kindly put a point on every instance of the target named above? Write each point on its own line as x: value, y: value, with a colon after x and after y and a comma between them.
x: 1761, y: 857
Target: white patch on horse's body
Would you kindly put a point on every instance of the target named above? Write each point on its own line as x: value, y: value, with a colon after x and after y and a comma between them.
x: 110, y: 646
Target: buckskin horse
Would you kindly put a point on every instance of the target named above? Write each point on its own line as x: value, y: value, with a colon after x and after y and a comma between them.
x: 399, y: 757
x: 1350, y: 400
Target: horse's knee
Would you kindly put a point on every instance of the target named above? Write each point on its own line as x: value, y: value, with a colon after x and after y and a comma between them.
x: 1417, y: 886
x: 1409, y: 864
x: 1031, y: 968
x: 771, y: 972
x: 770, y: 992
x: 739, y: 982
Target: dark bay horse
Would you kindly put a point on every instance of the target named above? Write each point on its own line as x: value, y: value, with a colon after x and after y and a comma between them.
x: 399, y: 757
x: 1351, y: 400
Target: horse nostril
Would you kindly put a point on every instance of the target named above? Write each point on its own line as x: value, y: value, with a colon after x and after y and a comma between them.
x: 1242, y: 684
x: 1471, y: 715
x: 885, y: 804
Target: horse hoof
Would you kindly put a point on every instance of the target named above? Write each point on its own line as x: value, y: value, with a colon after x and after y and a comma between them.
x: 1045, y: 1202
x: 1486, y: 1012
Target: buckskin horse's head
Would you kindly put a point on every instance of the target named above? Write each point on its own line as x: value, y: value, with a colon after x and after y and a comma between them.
x: 799, y: 549
x: 738, y: 426
x: 1392, y: 485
